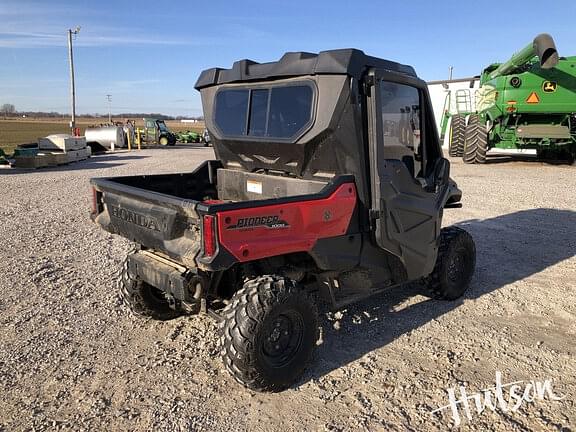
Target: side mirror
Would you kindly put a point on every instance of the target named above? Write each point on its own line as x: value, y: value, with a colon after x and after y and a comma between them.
x: 441, y: 172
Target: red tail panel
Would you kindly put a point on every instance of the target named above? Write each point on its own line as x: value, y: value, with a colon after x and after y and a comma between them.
x: 279, y: 229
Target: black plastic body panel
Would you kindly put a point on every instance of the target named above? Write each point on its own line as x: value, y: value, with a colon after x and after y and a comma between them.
x: 350, y: 62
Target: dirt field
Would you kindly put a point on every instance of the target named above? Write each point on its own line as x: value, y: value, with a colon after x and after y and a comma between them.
x: 21, y: 131
x: 73, y: 358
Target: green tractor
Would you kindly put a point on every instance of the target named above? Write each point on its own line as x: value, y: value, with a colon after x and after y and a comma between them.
x: 529, y: 102
x: 188, y: 137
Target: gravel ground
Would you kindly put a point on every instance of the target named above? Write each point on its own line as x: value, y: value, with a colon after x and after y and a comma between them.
x: 73, y: 358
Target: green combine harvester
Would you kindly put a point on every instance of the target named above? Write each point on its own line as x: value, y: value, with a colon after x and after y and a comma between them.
x: 456, y: 117
x: 529, y: 102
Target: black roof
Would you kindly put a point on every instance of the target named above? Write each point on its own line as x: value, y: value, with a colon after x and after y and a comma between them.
x: 350, y: 62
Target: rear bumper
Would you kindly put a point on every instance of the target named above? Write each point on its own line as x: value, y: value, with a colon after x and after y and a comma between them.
x: 157, y: 273
x: 182, y: 286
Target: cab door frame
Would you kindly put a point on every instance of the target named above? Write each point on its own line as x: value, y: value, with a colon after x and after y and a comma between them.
x: 406, y: 209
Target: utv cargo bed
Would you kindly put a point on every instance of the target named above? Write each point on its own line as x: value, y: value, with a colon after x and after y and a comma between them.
x: 172, y: 213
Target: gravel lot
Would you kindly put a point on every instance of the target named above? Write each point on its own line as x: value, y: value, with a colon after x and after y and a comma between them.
x: 73, y: 358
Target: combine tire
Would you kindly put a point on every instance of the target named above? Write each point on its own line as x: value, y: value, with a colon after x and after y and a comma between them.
x: 268, y: 333
x: 143, y: 299
x: 454, y: 265
x: 476, y: 141
x: 457, y: 132
x: 163, y: 141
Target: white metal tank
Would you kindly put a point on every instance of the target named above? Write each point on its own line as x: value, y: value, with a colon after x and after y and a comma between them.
x: 105, y: 136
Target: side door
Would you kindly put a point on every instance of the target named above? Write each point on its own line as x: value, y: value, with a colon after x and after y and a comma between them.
x: 405, y: 155
x: 150, y: 131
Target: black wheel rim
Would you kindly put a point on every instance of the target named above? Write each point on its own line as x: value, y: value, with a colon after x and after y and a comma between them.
x: 282, y: 339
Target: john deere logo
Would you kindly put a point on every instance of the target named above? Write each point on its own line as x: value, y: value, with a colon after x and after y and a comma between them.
x: 549, y: 86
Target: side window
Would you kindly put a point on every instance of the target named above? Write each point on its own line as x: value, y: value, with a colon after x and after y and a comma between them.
x: 401, y: 124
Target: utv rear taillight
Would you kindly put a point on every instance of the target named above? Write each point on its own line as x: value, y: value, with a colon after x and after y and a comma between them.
x: 209, y: 235
x: 95, y: 205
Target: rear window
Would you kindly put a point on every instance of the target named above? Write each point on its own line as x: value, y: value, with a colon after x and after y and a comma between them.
x: 231, y: 107
x: 276, y: 112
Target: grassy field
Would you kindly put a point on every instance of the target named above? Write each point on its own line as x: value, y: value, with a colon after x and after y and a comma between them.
x: 22, y: 131
x: 13, y: 133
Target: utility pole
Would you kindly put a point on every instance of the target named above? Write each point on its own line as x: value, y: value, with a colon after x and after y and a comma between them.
x: 450, y: 73
x: 72, y: 86
x: 109, y: 98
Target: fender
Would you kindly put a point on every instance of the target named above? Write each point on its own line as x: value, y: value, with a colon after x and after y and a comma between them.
x: 278, y: 229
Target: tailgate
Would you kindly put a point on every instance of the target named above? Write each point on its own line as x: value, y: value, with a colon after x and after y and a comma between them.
x: 153, y: 220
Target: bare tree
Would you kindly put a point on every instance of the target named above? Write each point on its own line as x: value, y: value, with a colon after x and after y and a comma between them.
x: 8, y: 109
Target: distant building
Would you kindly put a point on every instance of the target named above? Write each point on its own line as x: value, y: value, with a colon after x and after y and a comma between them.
x: 439, y: 94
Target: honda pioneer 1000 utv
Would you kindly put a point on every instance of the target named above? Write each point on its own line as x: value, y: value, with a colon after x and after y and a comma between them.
x: 329, y: 184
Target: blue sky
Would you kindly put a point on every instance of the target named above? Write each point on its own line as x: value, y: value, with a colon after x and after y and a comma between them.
x: 148, y: 54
